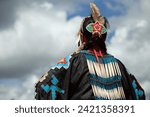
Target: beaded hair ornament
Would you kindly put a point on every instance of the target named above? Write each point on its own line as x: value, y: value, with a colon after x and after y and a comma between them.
x: 98, y: 26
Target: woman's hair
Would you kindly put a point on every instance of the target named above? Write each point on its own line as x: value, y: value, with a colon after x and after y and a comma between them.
x: 97, y: 41
x: 93, y: 40
x: 93, y: 30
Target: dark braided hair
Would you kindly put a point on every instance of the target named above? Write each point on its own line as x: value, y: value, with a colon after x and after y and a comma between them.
x: 93, y: 40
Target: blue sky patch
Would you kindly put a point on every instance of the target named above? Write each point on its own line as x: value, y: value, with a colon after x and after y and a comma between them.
x: 108, y: 9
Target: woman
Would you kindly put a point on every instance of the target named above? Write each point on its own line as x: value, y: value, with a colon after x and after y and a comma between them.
x: 90, y: 73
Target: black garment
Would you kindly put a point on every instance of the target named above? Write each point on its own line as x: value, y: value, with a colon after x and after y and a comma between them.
x: 72, y: 79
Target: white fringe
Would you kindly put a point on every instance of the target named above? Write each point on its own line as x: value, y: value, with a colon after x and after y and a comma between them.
x: 116, y: 93
x: 106, y: 71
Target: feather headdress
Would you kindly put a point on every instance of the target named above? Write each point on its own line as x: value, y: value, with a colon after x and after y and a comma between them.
x: 96, y: 14
x: 94, y: 24
x: 95, y: 11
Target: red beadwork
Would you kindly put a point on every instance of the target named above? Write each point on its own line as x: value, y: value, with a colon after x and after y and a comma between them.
x: 97, y: 27
x: 62, y: 61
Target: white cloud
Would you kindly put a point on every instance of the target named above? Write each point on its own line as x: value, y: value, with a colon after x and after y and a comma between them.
x: 41, y: 36
x: 130, y: 42
x: 70, y: 6
x: 21, y: 90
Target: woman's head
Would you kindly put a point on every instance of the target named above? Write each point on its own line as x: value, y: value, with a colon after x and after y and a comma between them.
x: 93, y: 29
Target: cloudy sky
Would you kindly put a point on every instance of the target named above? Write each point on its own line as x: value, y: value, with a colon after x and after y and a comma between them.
x: 35, y: 34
